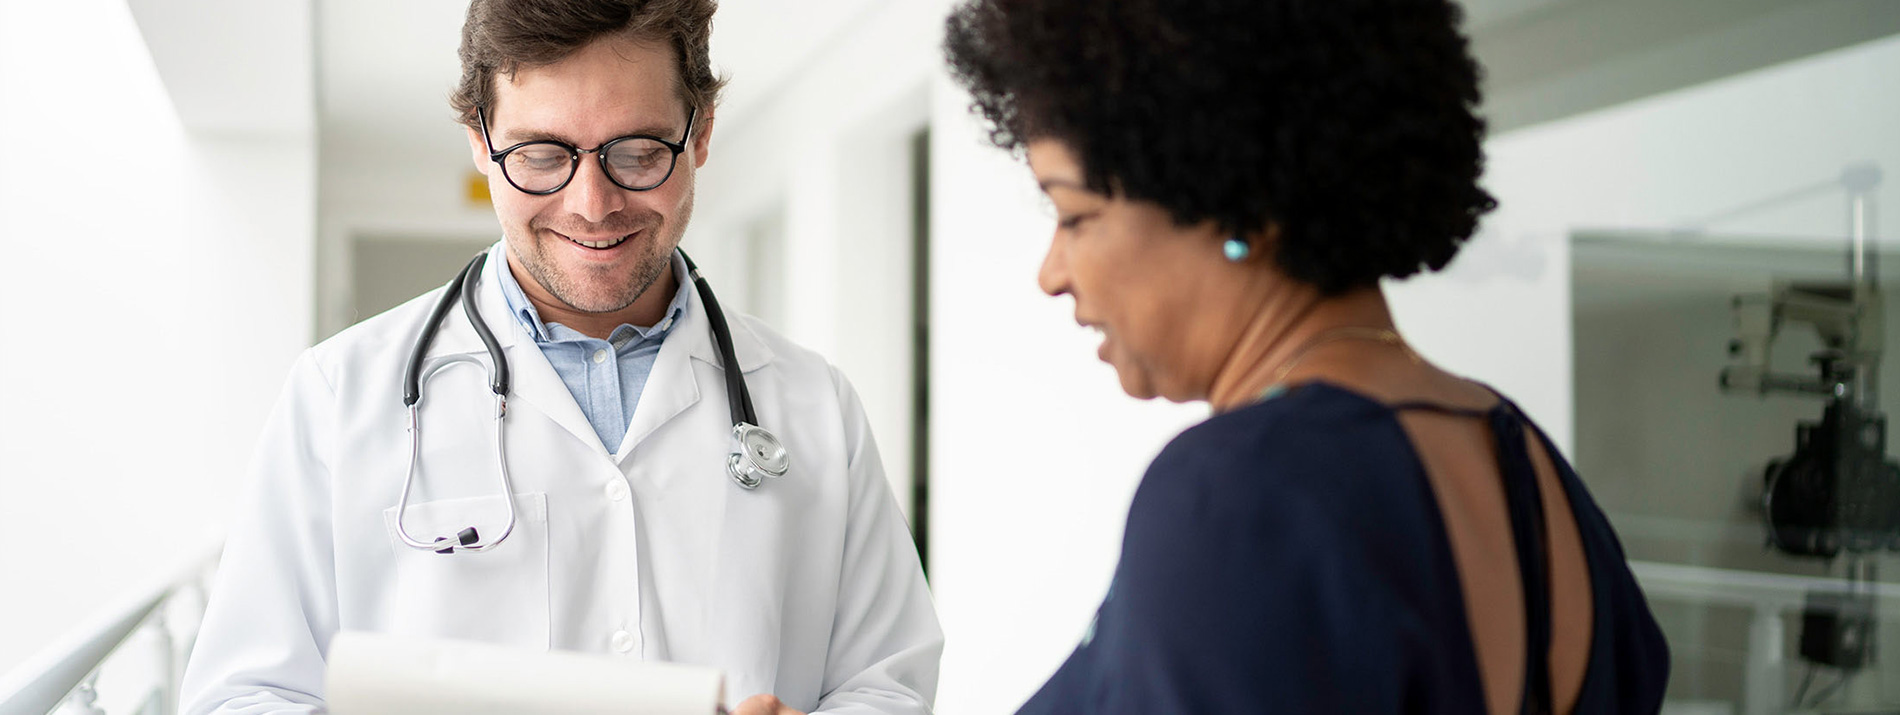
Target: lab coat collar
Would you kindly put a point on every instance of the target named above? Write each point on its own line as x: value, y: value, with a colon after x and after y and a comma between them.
x: 671, y: 388
x: 747, y: 346
x: 692, y: 329
x: 533, y: 379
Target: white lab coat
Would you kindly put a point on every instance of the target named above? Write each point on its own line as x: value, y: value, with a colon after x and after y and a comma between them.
x: 808, y: 587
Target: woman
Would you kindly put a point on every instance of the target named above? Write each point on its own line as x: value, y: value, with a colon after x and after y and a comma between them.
x: 1354, y: 530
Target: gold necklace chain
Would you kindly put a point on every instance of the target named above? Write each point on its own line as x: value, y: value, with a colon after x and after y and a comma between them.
x: 1349, y: 332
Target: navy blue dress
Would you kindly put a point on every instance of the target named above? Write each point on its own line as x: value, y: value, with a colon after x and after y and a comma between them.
x: 1290, y: 557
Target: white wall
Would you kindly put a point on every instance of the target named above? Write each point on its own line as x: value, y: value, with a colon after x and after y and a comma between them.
x: 826, y: 152
x: 156, y: 289
x: 1035, y: 451
x: 369, y: 194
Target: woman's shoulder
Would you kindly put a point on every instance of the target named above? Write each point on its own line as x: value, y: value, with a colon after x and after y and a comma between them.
x: 1319, y: 466
x: 1304, y: 412
x: 1265, y: 532
x: 1299, y: 442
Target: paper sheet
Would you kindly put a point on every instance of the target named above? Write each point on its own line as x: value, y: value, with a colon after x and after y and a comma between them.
x: 382, y: 674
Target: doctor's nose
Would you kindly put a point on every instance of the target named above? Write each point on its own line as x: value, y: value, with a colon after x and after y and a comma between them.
x: 591, y: 195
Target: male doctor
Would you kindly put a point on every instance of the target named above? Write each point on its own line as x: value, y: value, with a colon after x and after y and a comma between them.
x: 590, y: 119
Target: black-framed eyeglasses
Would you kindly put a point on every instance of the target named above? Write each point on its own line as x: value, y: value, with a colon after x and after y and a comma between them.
x: 636, y: 162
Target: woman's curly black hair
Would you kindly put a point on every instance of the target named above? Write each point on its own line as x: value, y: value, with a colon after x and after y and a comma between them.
x: 1349, y: 124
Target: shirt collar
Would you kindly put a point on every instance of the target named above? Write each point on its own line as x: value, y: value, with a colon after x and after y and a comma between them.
x: 530, y: 319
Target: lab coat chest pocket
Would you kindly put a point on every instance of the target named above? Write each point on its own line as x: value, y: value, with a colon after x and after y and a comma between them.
x: 495, y: 596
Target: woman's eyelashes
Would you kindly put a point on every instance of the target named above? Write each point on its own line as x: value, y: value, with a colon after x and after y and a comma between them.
x: 1068, y: 223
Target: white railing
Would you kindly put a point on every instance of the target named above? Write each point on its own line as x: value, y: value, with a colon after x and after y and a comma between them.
x: 127, y: 659
x: 1768, y: 597
x: 142, y: 677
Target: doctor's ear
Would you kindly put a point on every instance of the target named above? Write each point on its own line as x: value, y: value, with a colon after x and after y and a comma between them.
x: 702, y: 140
x: 477, y: 150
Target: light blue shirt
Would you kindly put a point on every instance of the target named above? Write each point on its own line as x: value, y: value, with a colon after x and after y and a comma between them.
x: 607, y: 390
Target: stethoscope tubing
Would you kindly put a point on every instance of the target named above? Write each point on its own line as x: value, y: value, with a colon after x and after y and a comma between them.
x: 738, y: 398
x: 468, y: 539
x: 757, y: 453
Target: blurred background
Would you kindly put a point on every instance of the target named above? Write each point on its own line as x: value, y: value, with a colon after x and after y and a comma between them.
x: 196, y: 190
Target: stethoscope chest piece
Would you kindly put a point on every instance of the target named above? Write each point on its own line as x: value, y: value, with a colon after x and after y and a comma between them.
x: 757, y: 455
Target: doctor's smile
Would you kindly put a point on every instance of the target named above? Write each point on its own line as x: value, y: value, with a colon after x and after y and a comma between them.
x: 595, y: 244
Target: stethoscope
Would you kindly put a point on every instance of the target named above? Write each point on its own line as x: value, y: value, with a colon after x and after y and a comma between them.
x: 756, y: 452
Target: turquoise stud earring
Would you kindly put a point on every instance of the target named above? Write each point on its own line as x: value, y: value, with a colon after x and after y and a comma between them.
x: 1236, y: 249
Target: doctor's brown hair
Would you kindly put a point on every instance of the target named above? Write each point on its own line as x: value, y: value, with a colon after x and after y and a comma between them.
x: 501, y: 37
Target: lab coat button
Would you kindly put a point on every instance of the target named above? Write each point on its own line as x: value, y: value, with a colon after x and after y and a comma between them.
x: 600, y: 356
x: 617, y: 490
x: 623, y: 642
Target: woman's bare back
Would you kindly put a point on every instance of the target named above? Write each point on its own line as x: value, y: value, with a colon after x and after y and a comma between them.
x: 1460, y: 458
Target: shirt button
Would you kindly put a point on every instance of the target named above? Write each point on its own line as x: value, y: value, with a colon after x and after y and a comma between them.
x: 616, y: 490
x: 600, y: 356
x: 623, y: 642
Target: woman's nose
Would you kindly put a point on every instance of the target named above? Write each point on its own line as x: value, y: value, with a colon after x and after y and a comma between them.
x: 1053, y: 277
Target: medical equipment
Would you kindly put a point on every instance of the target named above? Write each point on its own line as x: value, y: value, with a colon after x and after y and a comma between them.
x: 1838, y: 493
x: 756, y: 452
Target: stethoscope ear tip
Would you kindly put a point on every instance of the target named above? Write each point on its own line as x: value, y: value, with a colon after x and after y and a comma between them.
x: 465, y: 537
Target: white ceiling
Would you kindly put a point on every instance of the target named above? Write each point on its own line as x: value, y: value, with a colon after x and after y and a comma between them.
x: 1487, y: 15
x: 386, y: 69
x: 383, y: 70
x: 230, y: 66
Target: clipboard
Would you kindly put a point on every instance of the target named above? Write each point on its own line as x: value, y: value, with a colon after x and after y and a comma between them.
x: 384, y: 674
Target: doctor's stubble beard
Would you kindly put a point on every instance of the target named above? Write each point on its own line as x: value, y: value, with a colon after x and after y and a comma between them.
x: 655, y: 256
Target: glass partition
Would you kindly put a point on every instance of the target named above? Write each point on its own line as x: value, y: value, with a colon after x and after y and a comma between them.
x: 1729, y: 420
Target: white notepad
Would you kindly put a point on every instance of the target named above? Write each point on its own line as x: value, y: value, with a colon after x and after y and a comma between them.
x: 382, y: 674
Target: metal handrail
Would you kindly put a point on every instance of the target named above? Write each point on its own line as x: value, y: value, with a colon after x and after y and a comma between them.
x: 40, y: 684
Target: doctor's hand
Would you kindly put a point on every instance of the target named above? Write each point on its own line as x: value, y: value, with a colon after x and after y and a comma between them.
x: 764, y: 705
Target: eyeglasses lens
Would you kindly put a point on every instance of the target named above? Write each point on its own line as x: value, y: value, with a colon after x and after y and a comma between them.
x: 639, y: 163
x: 539, y: 167
x: 633, y: 163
